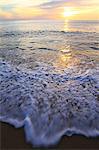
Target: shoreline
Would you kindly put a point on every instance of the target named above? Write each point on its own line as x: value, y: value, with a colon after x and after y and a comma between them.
x: 12, y: 138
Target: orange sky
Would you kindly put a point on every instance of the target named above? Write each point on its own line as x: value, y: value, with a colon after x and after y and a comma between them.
x: 49, y: 9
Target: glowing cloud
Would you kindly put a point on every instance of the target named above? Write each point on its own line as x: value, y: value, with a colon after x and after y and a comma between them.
x: 68, y: 11
x: 49, y: 9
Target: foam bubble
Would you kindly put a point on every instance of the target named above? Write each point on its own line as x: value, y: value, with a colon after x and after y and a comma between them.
x: 49, y: 104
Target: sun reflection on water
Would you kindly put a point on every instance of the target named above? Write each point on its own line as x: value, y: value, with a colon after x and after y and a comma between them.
x: 66, y: 25
x: 62, y: 62
x: 64, y: 58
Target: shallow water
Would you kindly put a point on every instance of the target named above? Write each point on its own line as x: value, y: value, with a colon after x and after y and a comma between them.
x: 49, y: 79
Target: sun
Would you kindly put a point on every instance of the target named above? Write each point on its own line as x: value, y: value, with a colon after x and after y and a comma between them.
x: 68, y: 12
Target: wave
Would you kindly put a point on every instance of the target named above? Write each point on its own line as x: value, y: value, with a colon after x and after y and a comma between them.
x: 95, y: 48
x: 48, y: 104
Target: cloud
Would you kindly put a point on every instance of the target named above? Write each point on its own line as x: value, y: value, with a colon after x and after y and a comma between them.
x: 27, y: 13
x: 78, y: 3
x: 53, y: 4
x: 17, y: 9
x: 20, y: 9
x: 5, y: 15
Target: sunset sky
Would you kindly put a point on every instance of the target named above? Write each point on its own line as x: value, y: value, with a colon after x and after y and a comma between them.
x: 49, y: 9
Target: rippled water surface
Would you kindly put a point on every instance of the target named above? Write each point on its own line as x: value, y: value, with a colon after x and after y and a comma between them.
x: 49, y: 78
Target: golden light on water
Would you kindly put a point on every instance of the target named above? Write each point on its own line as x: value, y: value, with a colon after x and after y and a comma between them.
x: 66, y: 25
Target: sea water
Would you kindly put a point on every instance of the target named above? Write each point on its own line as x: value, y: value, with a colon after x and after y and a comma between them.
x: 49, y: 78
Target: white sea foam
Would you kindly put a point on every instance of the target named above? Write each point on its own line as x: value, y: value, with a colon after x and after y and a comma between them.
x: 49, y: 78
x: 48, y: 103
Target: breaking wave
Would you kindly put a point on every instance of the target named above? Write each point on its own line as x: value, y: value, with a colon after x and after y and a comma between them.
x: 49, y: 104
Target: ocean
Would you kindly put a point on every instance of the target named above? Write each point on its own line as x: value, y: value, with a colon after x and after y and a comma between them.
x: 49, y: 78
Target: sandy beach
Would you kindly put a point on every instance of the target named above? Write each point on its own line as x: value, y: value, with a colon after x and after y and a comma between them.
x: 12, y: 138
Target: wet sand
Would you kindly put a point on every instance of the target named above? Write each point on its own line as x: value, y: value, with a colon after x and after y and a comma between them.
x: 12, y: 138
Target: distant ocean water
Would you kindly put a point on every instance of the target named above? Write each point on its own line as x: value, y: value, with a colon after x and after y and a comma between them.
x: 49, y: 78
